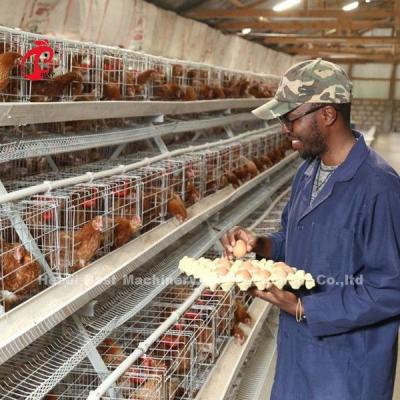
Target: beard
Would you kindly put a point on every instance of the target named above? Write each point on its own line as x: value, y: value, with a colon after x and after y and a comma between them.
x: 314, y: 144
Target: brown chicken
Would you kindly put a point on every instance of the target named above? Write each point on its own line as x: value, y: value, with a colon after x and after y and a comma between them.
x: 20, y: 273
x: 232, y: 179
x: 188, y: 93
x: 87, y: 241
x: 241, y: 314
x: 176, y: 207
x: 111, y: 352
x: 7, y: 63
x: 125, y: 229
x: 112, y: 91
x: 192, y: 194
x: 176, y: 347
x: 238, y: 333
x: 146, y: 76
x: 53, y: 89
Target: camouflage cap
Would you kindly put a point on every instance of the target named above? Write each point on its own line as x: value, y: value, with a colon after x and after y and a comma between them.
x: 310, y: 81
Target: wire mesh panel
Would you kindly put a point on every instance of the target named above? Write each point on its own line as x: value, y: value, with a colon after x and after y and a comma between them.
x: 12, y: 47
x: 112, y: 78
x: 212, y: 170
x: 22, y: 228
x: 161, y: 87
x: 172, y: 358
x: 137, y: 76
x: 85, y: 62
x: 85, y: 224
x: 139, y: 383
x: 198, y: 77
x: 209, y: 319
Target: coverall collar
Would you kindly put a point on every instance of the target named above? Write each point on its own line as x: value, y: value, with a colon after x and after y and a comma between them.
x: 343, y: 172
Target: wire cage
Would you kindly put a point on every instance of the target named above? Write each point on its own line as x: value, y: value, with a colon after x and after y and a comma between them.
x: 137, y: 76
x: 112, y: 73
x: 84, y: 61
x: 210, y: 318
x: 12, y: 47
x: 85, y: 224
x: 138, y: 383
x: 193, y: 169
x: 172, y: 357
x: 198, y: 76
x: 212, y: 176
x: 160, y: 86
x: 28, y: 235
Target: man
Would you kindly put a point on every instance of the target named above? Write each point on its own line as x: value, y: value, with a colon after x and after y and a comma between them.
x: 341, y: 224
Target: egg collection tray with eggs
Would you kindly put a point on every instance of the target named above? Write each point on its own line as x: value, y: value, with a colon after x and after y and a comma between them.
x: 262, y: 274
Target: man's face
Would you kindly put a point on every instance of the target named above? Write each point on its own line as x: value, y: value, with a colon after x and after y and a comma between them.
x: 304, y: 132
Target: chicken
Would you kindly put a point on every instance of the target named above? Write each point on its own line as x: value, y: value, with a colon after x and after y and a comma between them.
x: 149, y: 390
x: 7, y: 63
x: 53, y: 89
x: 20, y: 273
x: 176, y: 207
x: 87, y: 241
x: 238, y: 333
x: 177, y: 73
x: 125, y: 229
x: 192, y: 194
x: 111, y: 352
x: 247, y: 169
x: 147, y: 76
x: 177, y: 349
x: 241, y: 314
x: 188, y: 93
x: 232, y: 179
x: 112, y: 91
x: 167, y: 91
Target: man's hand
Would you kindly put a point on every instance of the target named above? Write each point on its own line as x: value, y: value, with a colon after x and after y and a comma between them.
x: 285, y: 300
x: 228, y: 240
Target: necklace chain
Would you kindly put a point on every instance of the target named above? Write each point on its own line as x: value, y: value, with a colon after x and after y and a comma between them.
x: 318, y: 184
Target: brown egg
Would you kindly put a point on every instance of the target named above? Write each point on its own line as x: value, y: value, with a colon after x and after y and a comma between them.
x: 240, y: 249
x: 224, y: 262
x: 247, y: 265
x: 221, y: 271
x: 284, y: 267
x: 243, y: 275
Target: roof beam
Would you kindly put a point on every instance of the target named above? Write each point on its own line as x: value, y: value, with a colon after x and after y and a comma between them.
x: 310, y: 13
x: 300, y: 25
x: 362, y: 59
x: 347, y: 40
x: 339, y: 50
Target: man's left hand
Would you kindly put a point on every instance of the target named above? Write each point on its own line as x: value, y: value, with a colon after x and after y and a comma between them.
x: 283, y: 299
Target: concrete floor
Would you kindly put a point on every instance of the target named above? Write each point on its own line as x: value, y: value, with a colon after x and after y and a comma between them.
x: 388, y: 146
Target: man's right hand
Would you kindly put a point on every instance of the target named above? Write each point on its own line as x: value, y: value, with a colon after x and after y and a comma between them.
x: 229, y: 239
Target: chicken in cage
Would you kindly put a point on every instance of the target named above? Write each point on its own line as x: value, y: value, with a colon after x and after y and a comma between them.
x: 172, y: 357
x: 124, y: 219
x: 12, y: 47
x: 210, y: 318
x: 138, y: 77
x: 84, y: 224
x: 112, y: 76
x: 141, y: 382
x: 193, y: 168
x: 234, y: 85
x: 28, y: 234
x: 84, y: 62
x: 212, y: 170
x: 198, y: 77
x: 162, y: 87
x: 48, y: 59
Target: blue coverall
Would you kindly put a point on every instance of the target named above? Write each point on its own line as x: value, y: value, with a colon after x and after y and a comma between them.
x: 346, y: 348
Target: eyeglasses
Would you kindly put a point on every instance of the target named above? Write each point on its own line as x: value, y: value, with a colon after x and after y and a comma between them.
x: 285, y: 120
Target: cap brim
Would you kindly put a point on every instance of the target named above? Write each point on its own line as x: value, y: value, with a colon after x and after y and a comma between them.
x: 274, y: 109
